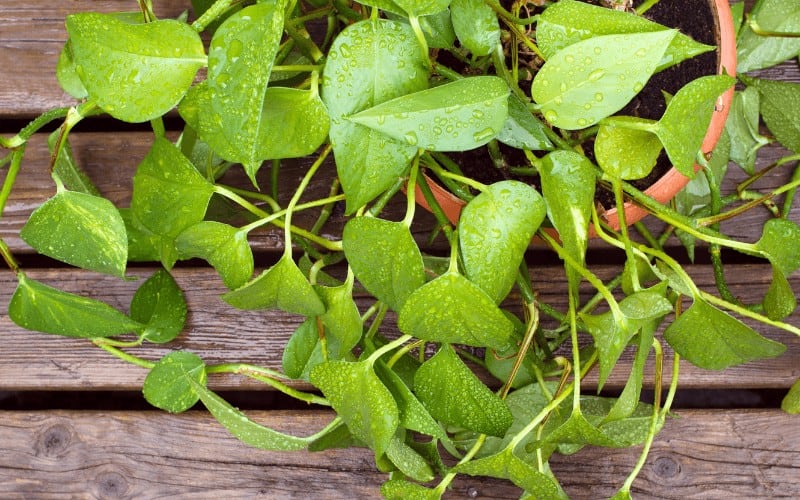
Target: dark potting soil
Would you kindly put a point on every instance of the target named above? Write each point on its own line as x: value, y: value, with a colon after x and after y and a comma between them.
x: 691, y: 17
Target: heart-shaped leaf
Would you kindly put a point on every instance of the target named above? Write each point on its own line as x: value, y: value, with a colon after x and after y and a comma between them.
x: 714, y: 340
x: 791, y: 402
x: 413, y: 415
x: 778, y: 100
x: 506, y: 465
x: 779, y: 302
x: 42, y: 308
x: 688, y: 114
x: 360, y: 399
x: 385, y: 258
x: 368, y: 63
x: 495, y: 229
x: 160, y: 306
x: 568, y: 21
x: 778, y: 241
x: 282, y: 286
x: 80, y: 229
x: 400, y: 489
x: 223, y: 246
x: 522, y: 130
x: 452, y: 309
x: 742, y: 126
x: 624, y: 151
x: 754, y: 52
x: 134, y: 72
x: 453, y: 394
x: 568, y: 184
x: 592, y: 79
x: 168, y: 385
x: 476, y: 26
x: 408, y: 461
x: 341, y: 319
x: 240, y: 60
x: 303, y: 351
x: 456, y: 116
x: 169, y: 195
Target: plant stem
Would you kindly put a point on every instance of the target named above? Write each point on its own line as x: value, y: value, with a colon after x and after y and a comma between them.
x: 748, y: 313
x: 388, y: 347
x: 645, y: 6
x: 130, y: 358
x: 9, y: 258
x: 268, y: 377
x: 530, y: 331
x: 448, y: 478
x: 623, y: 226
x: 212, y: 13
x: 411, y: 191
x: 299, y: 192
x: 11, y: 177
x: 33, y: 127
x: 788, y: 201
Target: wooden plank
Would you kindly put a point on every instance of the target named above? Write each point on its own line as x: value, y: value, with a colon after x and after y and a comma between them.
x: 702, y: 454
x: 31, y: 38
x: 219, y: 334
x: 111, y: 160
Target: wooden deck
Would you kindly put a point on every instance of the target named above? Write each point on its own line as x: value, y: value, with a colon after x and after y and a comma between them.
x: 73, y: 424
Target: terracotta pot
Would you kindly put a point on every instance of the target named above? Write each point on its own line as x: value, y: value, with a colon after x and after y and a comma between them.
x: 673, y: 181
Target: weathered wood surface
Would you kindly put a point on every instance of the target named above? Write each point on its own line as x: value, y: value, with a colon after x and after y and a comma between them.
x: 219, y: 333
x: 57, y: 454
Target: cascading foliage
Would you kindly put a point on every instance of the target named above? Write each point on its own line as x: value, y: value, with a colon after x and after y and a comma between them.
x: 484, y: 378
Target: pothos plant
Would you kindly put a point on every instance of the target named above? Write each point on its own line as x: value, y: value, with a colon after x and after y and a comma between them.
x: 478, y: 383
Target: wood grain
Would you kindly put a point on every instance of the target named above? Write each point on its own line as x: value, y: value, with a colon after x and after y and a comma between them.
x: 56, y: 454
x: 219, y: 334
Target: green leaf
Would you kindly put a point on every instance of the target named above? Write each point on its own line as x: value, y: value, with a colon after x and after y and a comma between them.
x: 685, y: 122
x: 143, y: 246
x: 452, y: 309
x: 776, y: 16
x: 779, y: 242
x: 400, y: 489
x: 303, y: 351
x: 421, y: 7
x: 456, y: 116
x: 476, y: 25
x: 754, y: 52
x: 341, y: 319
x: 456, y: 396
x: 160, y: 306
x: 522, y: 130
x: 742, y: 126
x: 360, y: 399
x: 134, y: 72
x: 495, y: 229
x: 295, y: 123
x: 282, y: 286
x: 408, y: 461
x: 368, y: 63
x: 625, y: 152
x: 66, y: 167
x: 612, y: 334
x: 413, y: 415
x: 80, y: 229
x: 39, y: 307
x: 714, y: 340
x: 169, y: 195
x: 244, y: 429
x: 567, y: 22
x: 791, y: 402
x: 240, y: 60
x: 385, y: 258
x: 223, y: 246
x: 778, y: 102
x: 568, y: 184
x: 168, y: 385
x: 602, y: 75
x: 779, y: 302
x: 506, y: 465
x: 629, y: 398
x: 67, y: 74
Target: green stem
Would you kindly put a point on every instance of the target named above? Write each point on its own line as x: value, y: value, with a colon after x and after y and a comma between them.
x: 423, y: 43
x: 789, y: 200
x: 748, y: 313
x: 645, y: 6
x: 11, y: 177
x: 623, y: 226
x: 530, y: 331
x: 268, y: 377
x: 299, y: 192
x: 33, y: 127
x: 5, y: 252
x: 654, y: 421
x: 411, y: 191
x: 448, y: 478
x: 388, y: 347
x: 209, y: 16
x: 440, y: 216
x: 143, y: 363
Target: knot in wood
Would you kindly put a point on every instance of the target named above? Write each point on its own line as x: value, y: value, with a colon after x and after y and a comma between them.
x: 111, y: 485
x: 54, y: 441
x: 666, y: 467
